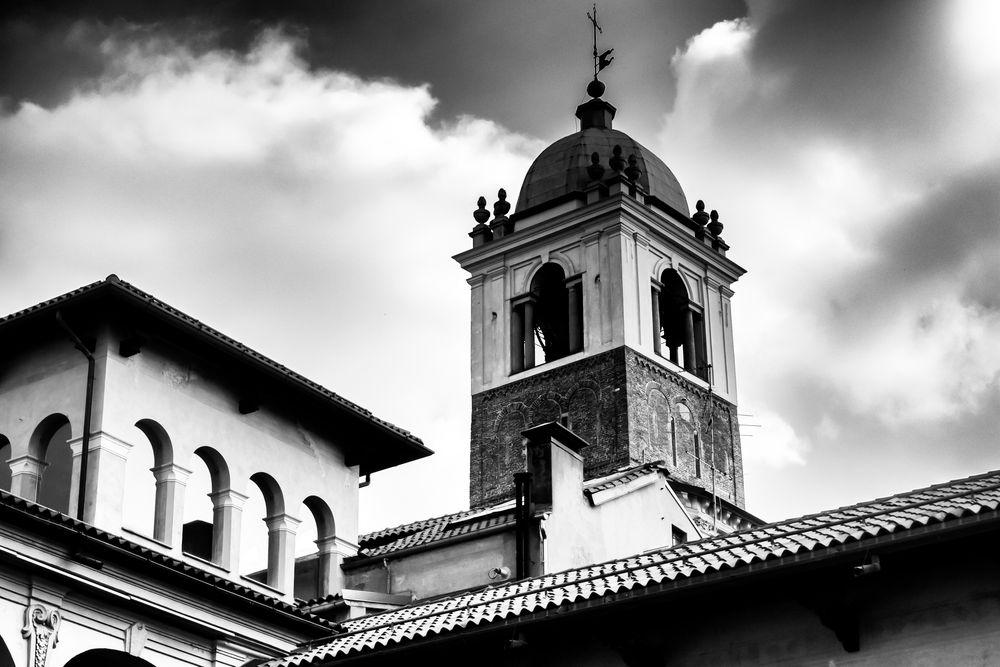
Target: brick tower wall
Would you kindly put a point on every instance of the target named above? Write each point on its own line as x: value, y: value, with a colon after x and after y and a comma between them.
x: 626, y: 406
x: 589, y: 394
x: 653, y: 396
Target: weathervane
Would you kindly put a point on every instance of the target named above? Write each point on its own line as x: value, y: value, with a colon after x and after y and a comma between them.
x: 601, y: 60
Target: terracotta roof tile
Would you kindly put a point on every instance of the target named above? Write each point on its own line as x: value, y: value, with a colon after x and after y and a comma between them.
x: 428, y: 531
x: 941, y: 505
x: 44, y: 517
x: 621, y: 477
x: 114, y: 282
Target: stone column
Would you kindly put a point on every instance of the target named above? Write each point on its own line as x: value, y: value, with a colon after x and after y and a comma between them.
x: 690, y: 360
x: 281, y: 552
x: 529, y: 334
x: 168, y: 522
x: 25, y: 475
x: 105, y: 480
x: 332, y: 552
x: 575, y: 324
x: 516, y: 340
x: 226, y: 521
x: 657, y: 339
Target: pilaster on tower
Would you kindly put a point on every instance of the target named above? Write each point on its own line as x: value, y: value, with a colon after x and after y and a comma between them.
x: 602, y: 304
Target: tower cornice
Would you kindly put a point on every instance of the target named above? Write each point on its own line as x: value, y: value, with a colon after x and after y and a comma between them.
x: 602, y: 216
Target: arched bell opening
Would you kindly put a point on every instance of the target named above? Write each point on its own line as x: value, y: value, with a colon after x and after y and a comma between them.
x: 546, y: 323
x: 679, y: 325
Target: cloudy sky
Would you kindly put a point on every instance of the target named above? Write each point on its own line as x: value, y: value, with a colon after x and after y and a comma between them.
x: 299, y: 179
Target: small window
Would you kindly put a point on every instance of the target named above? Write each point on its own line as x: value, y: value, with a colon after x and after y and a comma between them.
x: 673, y: 441
x: 697, y: 455
x: 678, y: 536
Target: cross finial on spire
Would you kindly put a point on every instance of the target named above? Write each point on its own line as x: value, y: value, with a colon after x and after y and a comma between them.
x: 601, y: 60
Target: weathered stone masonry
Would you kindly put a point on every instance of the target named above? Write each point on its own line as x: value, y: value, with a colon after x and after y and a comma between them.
x: 626, y: 405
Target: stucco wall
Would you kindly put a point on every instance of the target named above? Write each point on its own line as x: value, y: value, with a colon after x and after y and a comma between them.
x: 194, y: 404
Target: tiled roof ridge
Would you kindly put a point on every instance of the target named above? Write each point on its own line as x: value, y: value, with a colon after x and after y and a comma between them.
x: 115, y: 281
x: 882, y: 499
x: 613, y: 477
x: 50, y: 302
x: 51, y: 516
x: 415, y: 526
x: 412, y: 526
x: 676, y: 556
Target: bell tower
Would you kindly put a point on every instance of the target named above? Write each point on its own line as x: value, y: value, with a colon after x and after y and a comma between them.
x: 601, y: 303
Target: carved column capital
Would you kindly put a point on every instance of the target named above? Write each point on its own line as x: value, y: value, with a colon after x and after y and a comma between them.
x: 41, y: 629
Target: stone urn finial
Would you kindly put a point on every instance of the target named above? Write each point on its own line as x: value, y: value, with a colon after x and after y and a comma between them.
x: 617, y: 162
x: 700, y: 217
x: 632, y: 171
x: 481, y: 215
x: 714, y: 227
x: 502, y: 206
x: 595, y: 170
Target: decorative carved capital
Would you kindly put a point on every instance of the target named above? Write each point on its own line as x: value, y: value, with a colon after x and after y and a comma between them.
x: 41, y: 629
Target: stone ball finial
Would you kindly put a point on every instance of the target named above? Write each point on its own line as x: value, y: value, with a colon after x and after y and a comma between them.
x: 481, y: 215
x: 700, y: 216
x: 595, y: 88
x: 595, y: 170
x: 502, y: 206
x: 632, y: 171
x: 714, y: 227
x: 617, y: 162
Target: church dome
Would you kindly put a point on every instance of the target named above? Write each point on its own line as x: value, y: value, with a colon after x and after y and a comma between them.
x: 562, y: 168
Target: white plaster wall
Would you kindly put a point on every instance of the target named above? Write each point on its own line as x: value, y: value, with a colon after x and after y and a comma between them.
x: 195, y: 405
x: 48, y: 379
x: 578, y: 533
x: 196, y: 410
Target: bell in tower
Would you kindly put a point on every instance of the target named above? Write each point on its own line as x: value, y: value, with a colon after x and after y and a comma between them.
x: 603, y: 304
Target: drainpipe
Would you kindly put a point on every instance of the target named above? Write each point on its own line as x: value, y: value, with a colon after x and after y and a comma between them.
x: 87, y: 409
x: 522, y: 524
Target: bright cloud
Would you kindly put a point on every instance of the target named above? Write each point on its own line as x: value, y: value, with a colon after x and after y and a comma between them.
x: 862, y: 321
x: 308, y: 211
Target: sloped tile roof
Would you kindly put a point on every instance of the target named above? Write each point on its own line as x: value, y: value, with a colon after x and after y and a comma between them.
x: 116, y: 285
x: 14, y: 508
x: 427, y: 531
x: 941, y: 506
x: 621, y: 477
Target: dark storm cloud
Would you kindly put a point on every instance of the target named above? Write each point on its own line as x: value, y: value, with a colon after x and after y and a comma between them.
x: 870, y: 69
x: 481, y: 57
x: 952, y: 234
x: 877, y: 79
